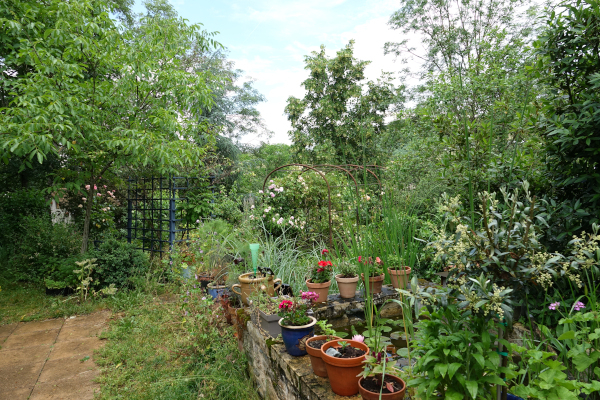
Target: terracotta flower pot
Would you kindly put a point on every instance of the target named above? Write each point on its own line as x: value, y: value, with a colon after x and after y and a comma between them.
x: 248, y: 285
x: 400, y: 277
x: 375, y: 283
x: 367, y: 395
x: 342, y: 372
x: 232, y: 311
x: 317, y: 363
x: 347, y: 286
x: 322, y: 289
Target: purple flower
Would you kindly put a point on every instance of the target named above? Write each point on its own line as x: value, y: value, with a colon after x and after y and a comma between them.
x: 578, y: 306
x: 186, y: 313
x: 553, y: 306
x: 196, y: 275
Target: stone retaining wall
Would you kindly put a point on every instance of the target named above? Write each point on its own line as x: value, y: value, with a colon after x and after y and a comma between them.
x: 279, y: 376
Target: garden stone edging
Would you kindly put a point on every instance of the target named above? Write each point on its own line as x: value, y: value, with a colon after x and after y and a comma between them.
x: 279, y: 376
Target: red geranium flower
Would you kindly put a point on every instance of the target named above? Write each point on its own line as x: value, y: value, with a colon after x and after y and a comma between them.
x: 324, y: 251
x: 321, y: 269
x: 285, y: 304
x: 359, y: 258
x: 322, y: 263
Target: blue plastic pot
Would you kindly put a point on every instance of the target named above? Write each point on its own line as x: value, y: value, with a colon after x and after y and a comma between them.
x: 294, y: 337
x: 512, y: 397
x: 217, y: 290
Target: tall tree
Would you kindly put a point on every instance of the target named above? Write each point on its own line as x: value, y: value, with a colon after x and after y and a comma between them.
x: 569, y: 63
x: 475, y: 86
x: 100, y: 97
x: 341, y: 114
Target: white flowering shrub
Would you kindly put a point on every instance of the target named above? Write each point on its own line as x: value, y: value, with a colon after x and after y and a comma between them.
x: 507, y: 245
x: 299, y: 202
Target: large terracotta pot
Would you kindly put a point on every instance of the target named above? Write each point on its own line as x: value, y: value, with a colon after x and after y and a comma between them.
x: 317, y: 363
x: 400, y: 277
x: 295, y: 337
x: 347, y: 286
x: 342, y: 372
x: 375, y: 283
x: 248, y: 285
x: 399, y: 395
x: 322, y: 289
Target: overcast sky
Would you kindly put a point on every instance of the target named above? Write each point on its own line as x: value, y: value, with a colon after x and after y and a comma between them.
x: 268, y: 39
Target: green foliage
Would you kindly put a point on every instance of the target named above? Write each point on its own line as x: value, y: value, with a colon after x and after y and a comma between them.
x: 118, y: 262
x: 569, y: 65
x: 545, y: 377
x: 340, y: 117
x: 41, y: 245
x: 457, y: 355
x: 60, y: 275
x: 14, y: 207
x: 98, y: 96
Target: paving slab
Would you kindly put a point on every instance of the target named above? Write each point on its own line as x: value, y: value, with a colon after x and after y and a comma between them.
x: 17, y: 394
x: 65, y: 368
x: 30, y: 339
x: 19, y: 377
x: 80, y: 387
x: 91, y: 319
x: 28, y: 327
x: 42, y: 360
x: 6, y: 330
x: 78, y: 332
x: 25, y: 355
x: 75, y: 348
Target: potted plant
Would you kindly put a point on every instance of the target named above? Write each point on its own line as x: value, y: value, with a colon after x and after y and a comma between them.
x: 343, y: 361
x: 320, y: 278
x: 347, y: 280
x: 217, y: 288
x: 378, y: 379
x: 399, y: 274
x: 264, y: 313
x: 234, y: 305
x: 296, y: 325
x: 376, y: 274
x: 313, y: 347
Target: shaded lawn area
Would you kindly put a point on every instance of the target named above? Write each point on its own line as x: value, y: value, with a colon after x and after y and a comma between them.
x: 29, y: 302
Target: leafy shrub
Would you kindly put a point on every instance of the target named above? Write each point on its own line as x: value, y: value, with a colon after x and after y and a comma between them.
x: 60, y: 273
x: 13, y: 208
x: 118, y: 262
x: 40, y: 246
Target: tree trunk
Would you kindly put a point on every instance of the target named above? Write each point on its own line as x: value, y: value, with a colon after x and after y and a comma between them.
x: 88, y: 216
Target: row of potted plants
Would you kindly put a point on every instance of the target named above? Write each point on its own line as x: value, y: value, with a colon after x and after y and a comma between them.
x: 347, y: 280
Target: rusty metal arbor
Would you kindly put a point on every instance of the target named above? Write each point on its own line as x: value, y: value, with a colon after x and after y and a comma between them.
x: 354, y: 173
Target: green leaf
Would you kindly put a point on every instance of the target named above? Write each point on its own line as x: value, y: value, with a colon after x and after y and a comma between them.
x: 479, y: 358
x: 583, y: 361
x: 567, y: 335
x: 452, y: 368
x: 472, y: 387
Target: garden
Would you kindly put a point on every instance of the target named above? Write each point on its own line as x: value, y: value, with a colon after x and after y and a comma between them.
x: 433, y: 241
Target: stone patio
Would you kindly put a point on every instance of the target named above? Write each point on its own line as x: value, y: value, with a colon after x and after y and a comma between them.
x: 50, y: 359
